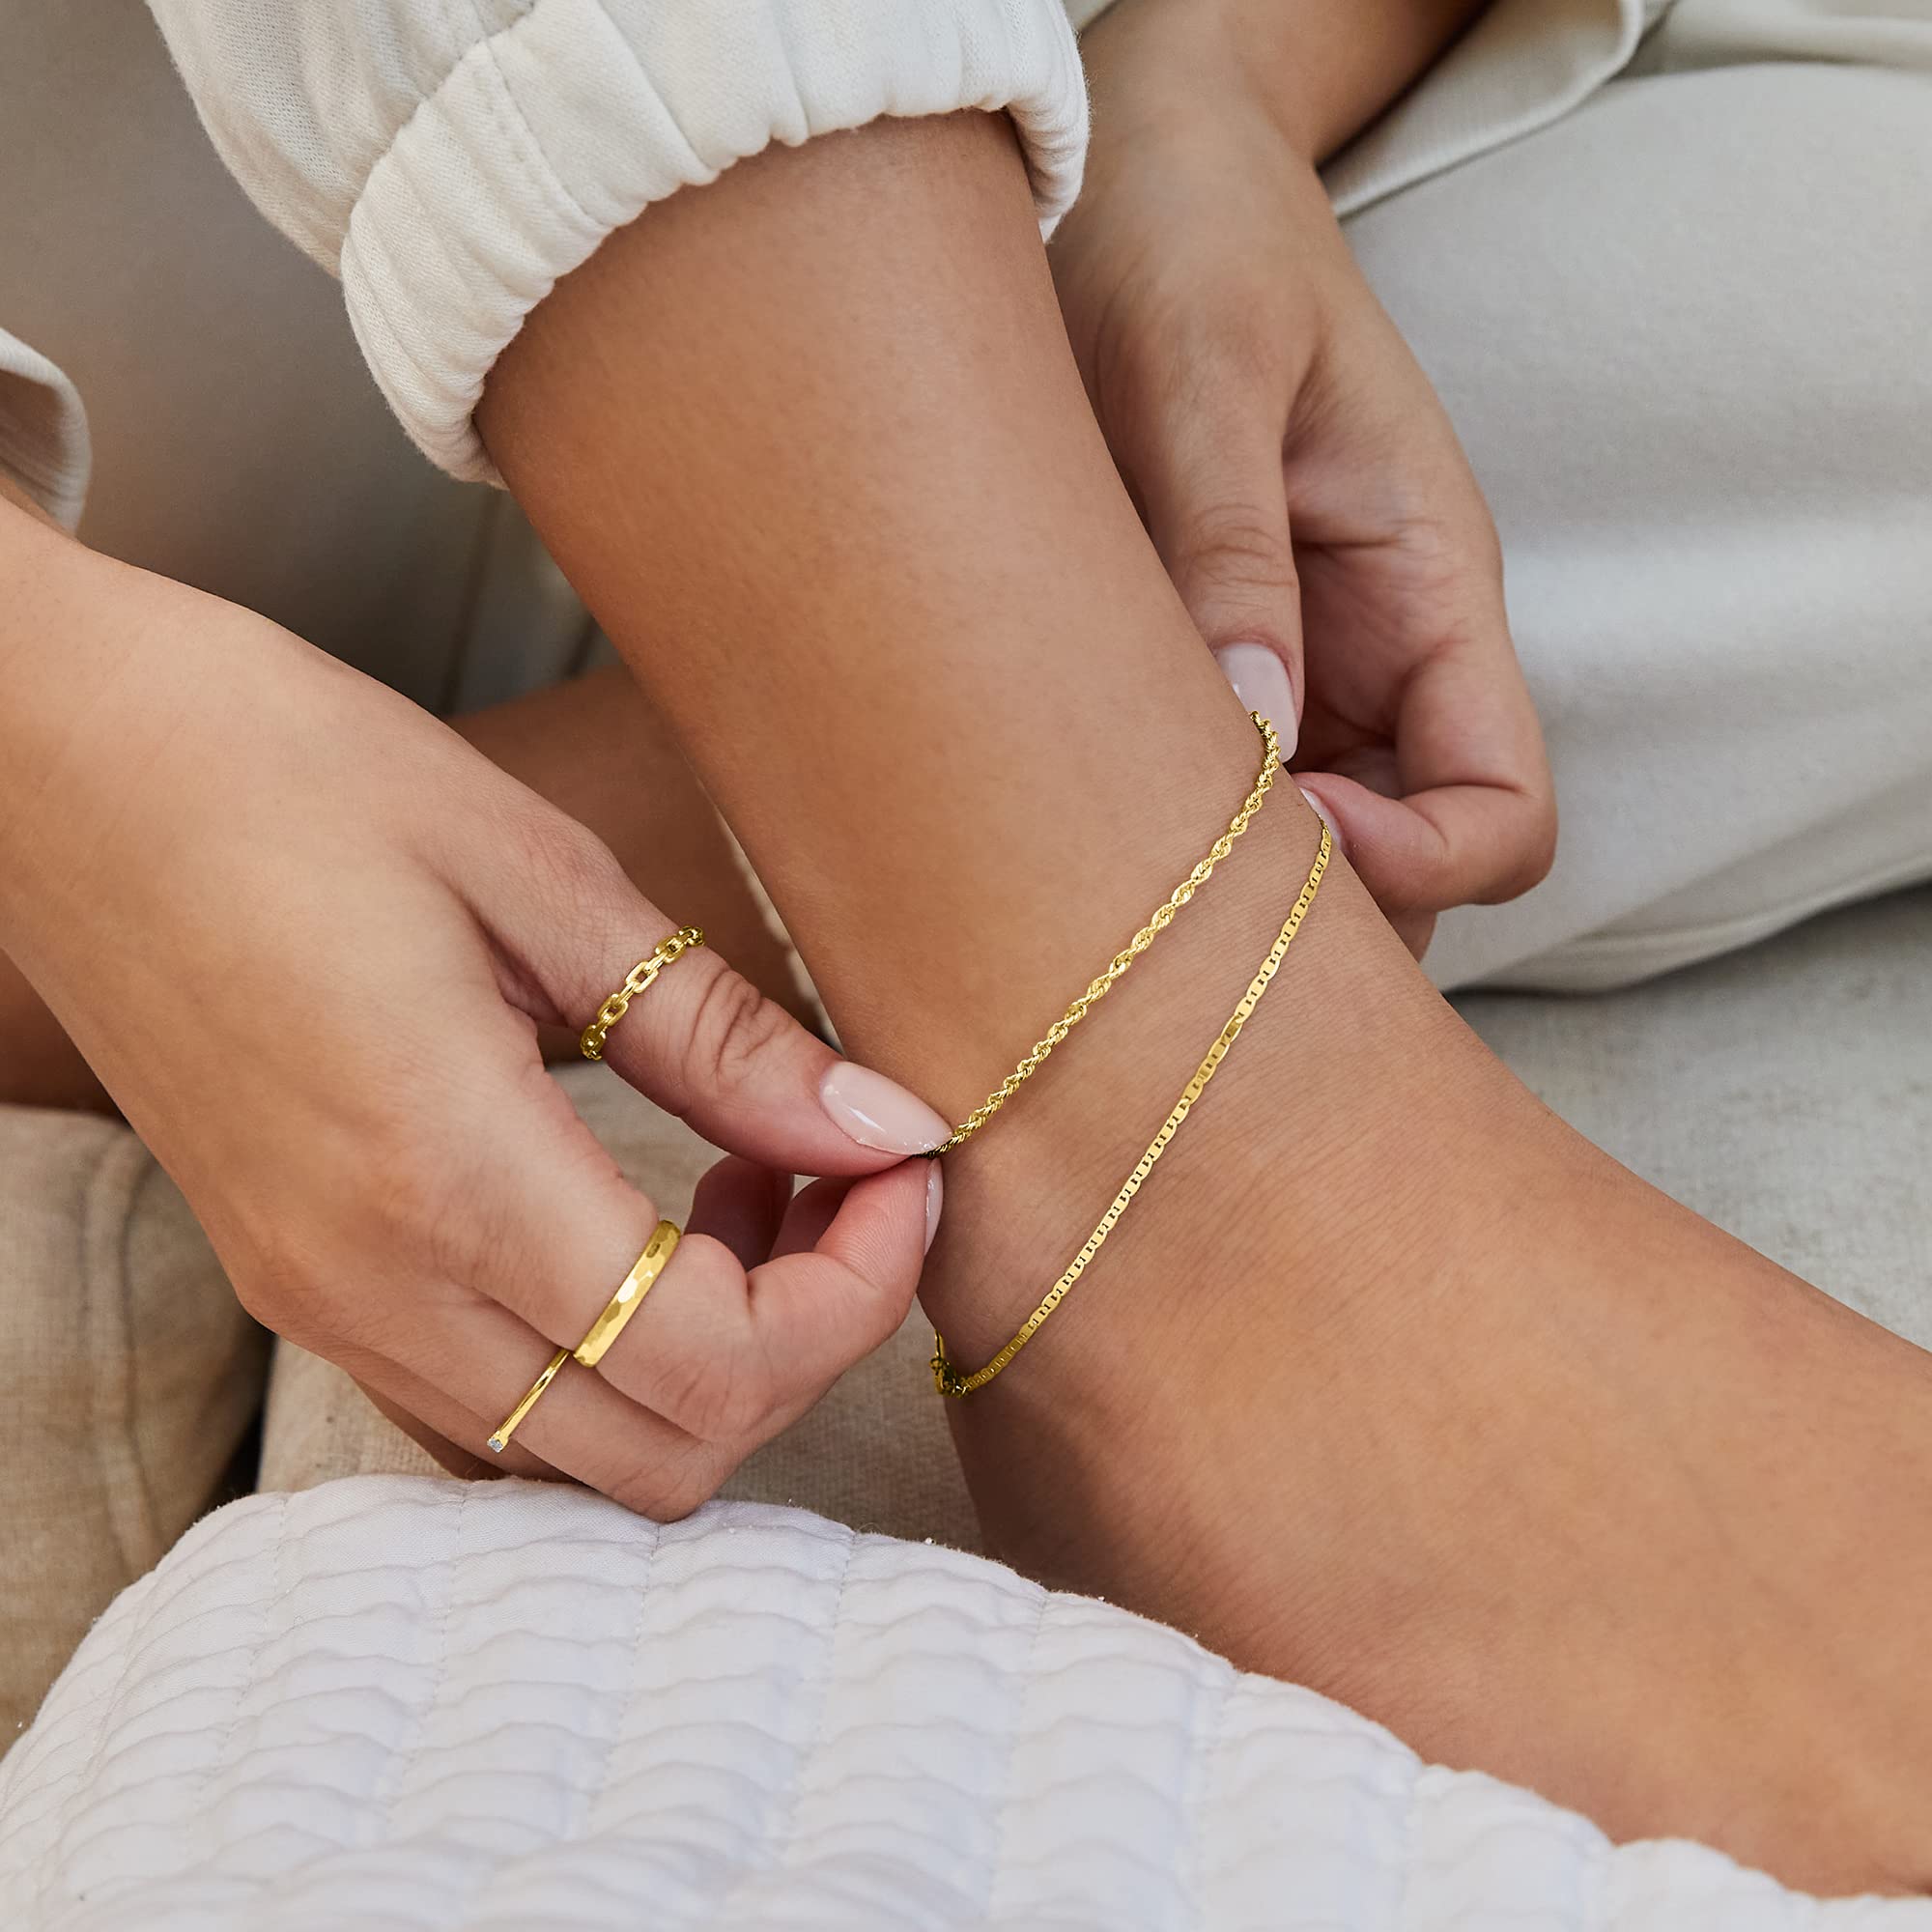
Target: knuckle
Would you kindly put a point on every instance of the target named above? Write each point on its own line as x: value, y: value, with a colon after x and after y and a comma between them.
x: 1542, y: 853
x: 669, y: 1489
x: 1535, y: 854
x: 733, y: 1031
x: 1240, y: 347
x: 709, y: 1395
x: 668, y: 1494
x: 733, y: 1407
x: 297, y: 1295
x: 1215, y: 358
x: 1236, y: 542
x: 568, y: 866
x: 682, y: 1496
x: 569, y: 854
x: 273, y: 1287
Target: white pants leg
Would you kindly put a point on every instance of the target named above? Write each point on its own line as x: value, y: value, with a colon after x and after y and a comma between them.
x: 1686, y: 334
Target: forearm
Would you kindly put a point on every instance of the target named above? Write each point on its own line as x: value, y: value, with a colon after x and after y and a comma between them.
x: 1325, y: 68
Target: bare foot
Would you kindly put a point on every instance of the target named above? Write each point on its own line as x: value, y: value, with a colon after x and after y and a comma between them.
x: 1391, y: 1384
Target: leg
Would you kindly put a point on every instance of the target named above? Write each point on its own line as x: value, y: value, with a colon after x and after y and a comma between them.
x: 1704, y: 442
x: 1388, y: 1382
x: 592, y: 747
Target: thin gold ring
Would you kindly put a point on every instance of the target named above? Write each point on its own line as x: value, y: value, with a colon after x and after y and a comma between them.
x: 604, y: 1331
x: 507, y: 1428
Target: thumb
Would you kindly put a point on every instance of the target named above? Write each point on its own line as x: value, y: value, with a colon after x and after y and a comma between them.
x: 702, y: 1041
x: 1211, y: 480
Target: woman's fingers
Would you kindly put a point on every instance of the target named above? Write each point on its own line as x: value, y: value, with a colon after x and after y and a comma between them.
x: 1424, y: 751
x: 725, y: 1353
x: 732, y: 1355
x: 743, y: 1206
x: 823, y: 1308
x: 702, y: 1042
x: 1457, y: 844
x: 484, y: 1358
x: 1206, y: 461
x: 707, y: 1045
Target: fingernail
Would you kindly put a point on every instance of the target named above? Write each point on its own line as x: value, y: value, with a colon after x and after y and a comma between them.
x: 877, y: 1112
x: 1326, y: 816
x: 935, y: 1192
x: 1261, y: 682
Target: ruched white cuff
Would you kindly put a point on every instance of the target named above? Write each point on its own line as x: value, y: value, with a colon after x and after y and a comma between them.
x: 452, y: 164
x: 43, y: 442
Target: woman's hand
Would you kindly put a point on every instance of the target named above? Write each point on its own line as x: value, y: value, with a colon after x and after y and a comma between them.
x: 1297, y: 470
x: 306, y: 936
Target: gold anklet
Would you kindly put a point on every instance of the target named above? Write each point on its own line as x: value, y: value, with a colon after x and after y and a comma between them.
x: 951, y: 1381
x: 1097, y: 990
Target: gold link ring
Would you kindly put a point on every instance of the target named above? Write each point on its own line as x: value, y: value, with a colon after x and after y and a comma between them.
x: 639, y: 979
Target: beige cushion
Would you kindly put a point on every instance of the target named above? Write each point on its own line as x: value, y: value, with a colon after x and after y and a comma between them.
x: 130, y: 1377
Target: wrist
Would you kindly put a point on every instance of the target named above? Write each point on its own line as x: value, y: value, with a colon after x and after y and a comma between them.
x: 1152, y: 64
x: 1320, y: 69
x: 80, y: 708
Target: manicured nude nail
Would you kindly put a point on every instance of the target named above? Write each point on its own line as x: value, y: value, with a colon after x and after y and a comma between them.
x: 935, y: 1191
x: 1326, y: 816
x: 877, y: 1112
x: 1261, y: 682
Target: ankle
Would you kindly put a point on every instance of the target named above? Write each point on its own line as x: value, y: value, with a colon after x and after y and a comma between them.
x: 1294, y: 1162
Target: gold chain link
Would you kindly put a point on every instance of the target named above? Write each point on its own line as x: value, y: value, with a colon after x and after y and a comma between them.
x: 952, y: 1380
x: 1161, y: 920
x: 636, y: 981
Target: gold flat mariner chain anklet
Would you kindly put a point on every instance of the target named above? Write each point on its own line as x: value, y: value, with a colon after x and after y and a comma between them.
x: 952, y: 1380
x: 1160, y: 920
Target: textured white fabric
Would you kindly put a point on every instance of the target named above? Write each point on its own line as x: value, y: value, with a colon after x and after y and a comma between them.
x: 397, y: 1703
x: 452, y: 164
x: 43, y: 444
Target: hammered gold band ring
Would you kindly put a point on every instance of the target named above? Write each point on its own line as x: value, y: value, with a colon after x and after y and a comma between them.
x: 602, y: 1332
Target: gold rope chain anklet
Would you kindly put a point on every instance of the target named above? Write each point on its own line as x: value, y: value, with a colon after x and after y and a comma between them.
x: 1097, y: 990
x: 951, y: 1380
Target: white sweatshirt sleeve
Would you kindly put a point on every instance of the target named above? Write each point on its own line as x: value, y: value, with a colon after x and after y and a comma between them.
x: 43, y: 444
x: 451, y: 163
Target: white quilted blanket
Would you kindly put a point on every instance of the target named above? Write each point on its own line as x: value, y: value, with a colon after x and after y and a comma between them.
x: 403, y: 1703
